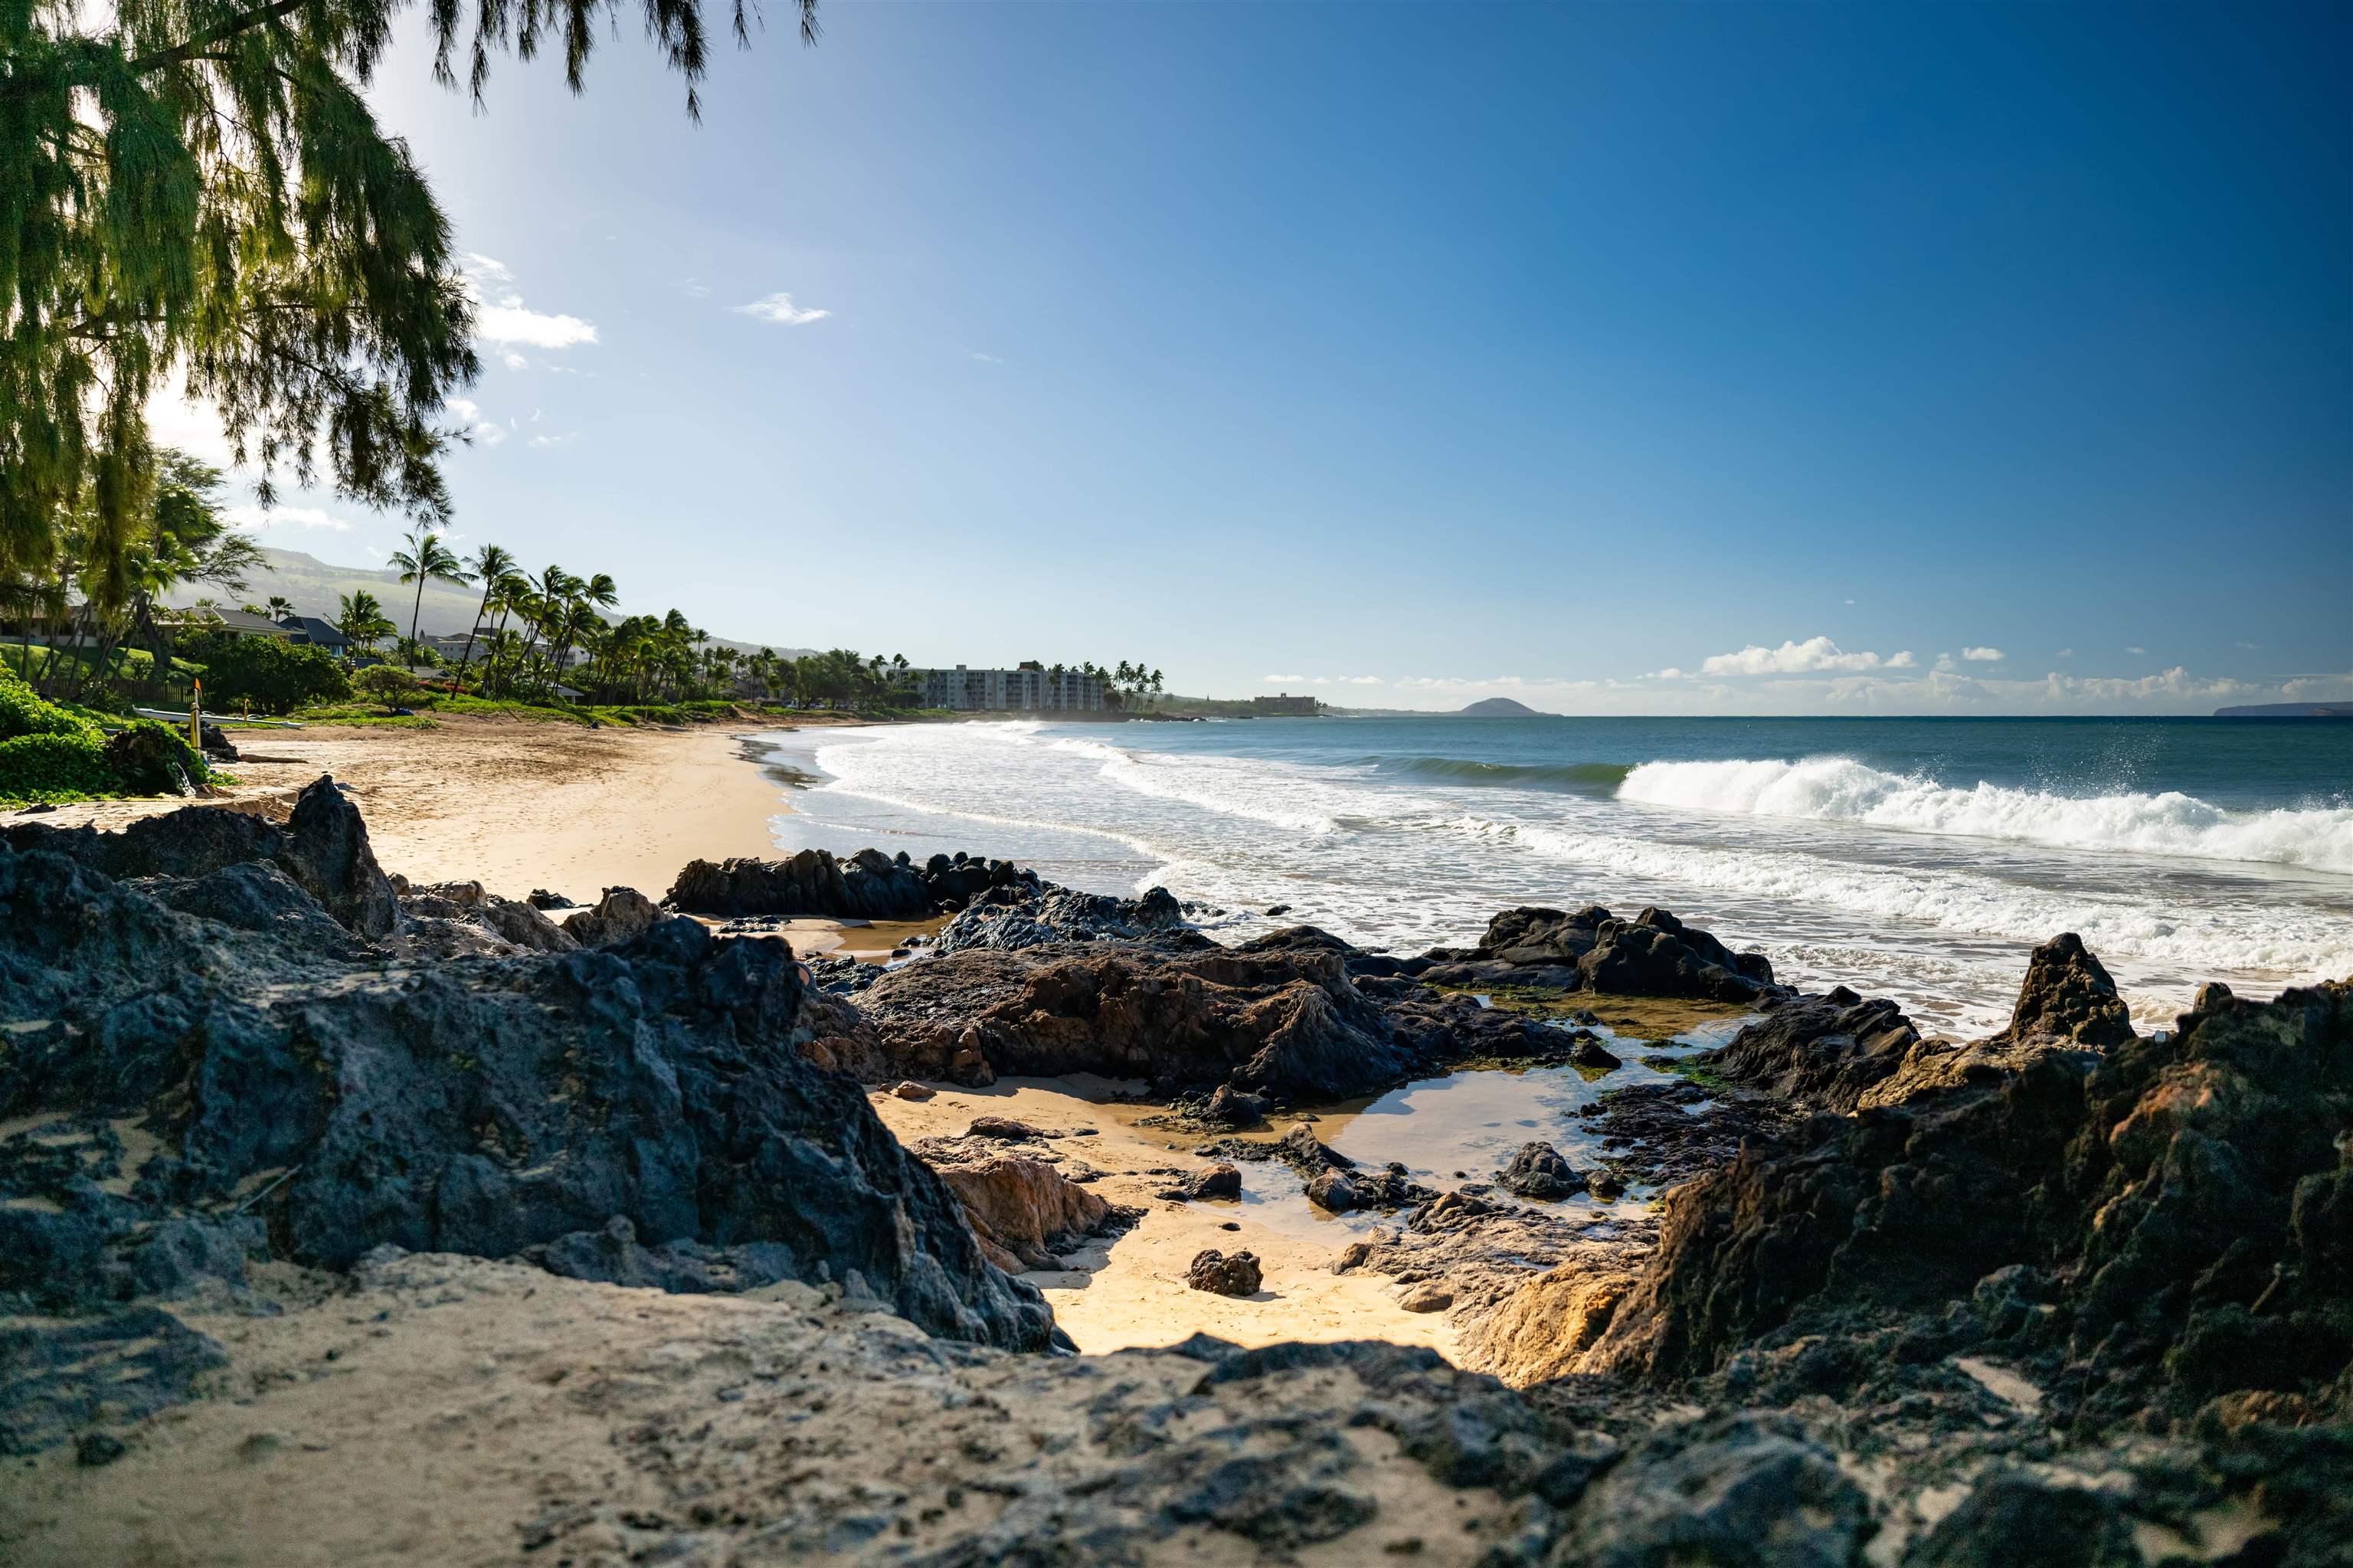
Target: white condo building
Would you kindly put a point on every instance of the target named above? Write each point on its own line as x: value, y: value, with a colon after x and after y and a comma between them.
x: 1030, y: 688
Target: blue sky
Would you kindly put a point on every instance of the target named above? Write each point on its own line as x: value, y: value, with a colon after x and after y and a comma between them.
x: 1623, y: 358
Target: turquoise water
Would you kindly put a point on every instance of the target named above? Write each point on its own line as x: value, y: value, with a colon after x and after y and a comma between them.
x: 1919, y: 858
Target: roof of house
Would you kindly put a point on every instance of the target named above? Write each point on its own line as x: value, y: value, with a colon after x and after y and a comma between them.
x: 240, y: 621
x: 322, y: 633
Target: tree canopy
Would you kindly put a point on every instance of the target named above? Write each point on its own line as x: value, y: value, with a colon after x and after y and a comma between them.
x: 198, y: 187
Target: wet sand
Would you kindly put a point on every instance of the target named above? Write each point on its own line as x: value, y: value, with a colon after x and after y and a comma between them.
x: 1130, y: 1291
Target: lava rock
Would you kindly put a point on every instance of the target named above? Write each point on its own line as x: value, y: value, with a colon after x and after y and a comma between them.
x: 1538, y: 1171
x: 1221, y: 1274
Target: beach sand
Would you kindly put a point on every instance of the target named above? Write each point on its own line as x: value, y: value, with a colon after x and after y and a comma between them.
x: 512, y: 804
x: 1130, y: 1290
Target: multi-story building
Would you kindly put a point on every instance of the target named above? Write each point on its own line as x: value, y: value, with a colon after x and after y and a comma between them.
x: 1285, y: 703
x: 1030, y: 688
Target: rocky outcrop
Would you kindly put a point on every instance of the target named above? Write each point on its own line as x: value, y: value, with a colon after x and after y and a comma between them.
x: 2154, y: 1225
x: 1826, y: 1052
x: 868, y: 886
x: 1289, y: 1026
x: 286, y: 1072
x: 1030, y: 914
x: 1277, y: 1023
x: 323, y: 848
x: 621, y: 913
x: 1024, y: 1210
x: 517, y: 925
x: 1654, y: 954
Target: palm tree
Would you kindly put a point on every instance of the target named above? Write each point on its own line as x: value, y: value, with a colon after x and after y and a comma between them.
x: 361, y: 619
x: 426, y: 561
x: 279, y: 606
x: 491, y: 565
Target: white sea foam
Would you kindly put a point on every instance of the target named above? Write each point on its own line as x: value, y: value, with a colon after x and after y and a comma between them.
x: 1837, y: 789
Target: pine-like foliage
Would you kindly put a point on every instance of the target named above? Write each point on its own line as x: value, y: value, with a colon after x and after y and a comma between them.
x: 199, y: 185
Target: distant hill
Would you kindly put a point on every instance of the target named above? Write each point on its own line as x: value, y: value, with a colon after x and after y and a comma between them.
x: 2290, y: 710
x: 1499, y: 707
x: 315, y: 587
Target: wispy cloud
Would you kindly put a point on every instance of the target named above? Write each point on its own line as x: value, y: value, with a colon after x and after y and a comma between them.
x: 1983, y: 655
x: 779, y: 308
x: 262, y: 519
x: 985, y: 358
x: 696, y: 288
x: 564, y: 439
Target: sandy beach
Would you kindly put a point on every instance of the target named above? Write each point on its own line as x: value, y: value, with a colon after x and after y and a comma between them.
x: 512, y: 804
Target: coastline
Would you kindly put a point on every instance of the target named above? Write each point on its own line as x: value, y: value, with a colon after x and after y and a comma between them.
x: 515, y: 806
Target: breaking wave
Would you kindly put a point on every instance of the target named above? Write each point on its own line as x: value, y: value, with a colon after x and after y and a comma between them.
x: 1840, y: 789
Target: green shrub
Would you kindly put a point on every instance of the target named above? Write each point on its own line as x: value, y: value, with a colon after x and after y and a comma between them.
x: 268, y: 674
x: 387, y: 684
x: 24, y: 712
x: 52, y: 768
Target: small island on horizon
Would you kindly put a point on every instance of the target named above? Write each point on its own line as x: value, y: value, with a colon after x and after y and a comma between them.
x: 1500, y: 707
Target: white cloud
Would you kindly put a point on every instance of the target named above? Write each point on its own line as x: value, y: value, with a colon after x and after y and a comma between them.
x: 490, y: 433
x: 1983, y: 655
x: 1283, y: 680
x: 501, y: 318
x: 2132, y: 650
x: 260, y: 519
x: 1798, y: 658
x: 1901, y: 659
x: 1850, y: 601
x: 986, y: 358
x: 697, y: 289
x: 779, y: 308
x: 564, y: 439
x: 2066, y: 653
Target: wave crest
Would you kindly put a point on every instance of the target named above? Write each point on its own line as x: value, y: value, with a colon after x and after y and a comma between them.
x: 1840, y: 789
x: 1583, y: 778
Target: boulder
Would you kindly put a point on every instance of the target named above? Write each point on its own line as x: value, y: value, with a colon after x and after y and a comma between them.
x: 621, y: 913
x: 2067, y: 995
x: 1220, y: 1275
x: 1538, y: 1171
x: 1826, y: 1052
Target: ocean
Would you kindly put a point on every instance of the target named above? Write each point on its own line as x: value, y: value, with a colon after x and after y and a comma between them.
x: 1912, y: 858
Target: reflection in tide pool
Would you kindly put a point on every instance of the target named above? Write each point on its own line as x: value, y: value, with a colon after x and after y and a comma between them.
x: 1464, y: 1126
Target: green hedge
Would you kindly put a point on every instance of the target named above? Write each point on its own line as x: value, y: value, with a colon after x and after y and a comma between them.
x: 48, y: 753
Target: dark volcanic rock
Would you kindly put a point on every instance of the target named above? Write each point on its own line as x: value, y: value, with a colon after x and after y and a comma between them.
x: 868, y: 886
x: 1288, y: 1024
x: 2068, y: 995
x: 484, y: 1105
x: 2168, y: 1211
x: 1224, y: 1275
x: 621, y: 913
x: 1825, y: 1050
x: 1031, y: 915
x: 1538, y: 1171
x: 323, y: 848
x: 1653, y: 954
x: 56, y: 1378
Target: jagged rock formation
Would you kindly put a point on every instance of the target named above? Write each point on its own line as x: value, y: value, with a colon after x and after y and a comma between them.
x: 1653, y: 954
x: 323, y: 848
x: 286, y: 1072
x: 2154, y: 1225
x: 1029, y: 914
x: 1280, y: 1021
x: 868, y: 886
